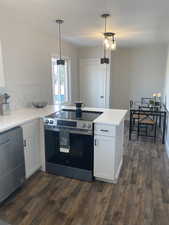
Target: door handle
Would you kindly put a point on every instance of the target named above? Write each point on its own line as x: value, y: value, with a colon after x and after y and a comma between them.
x: 104, y: 130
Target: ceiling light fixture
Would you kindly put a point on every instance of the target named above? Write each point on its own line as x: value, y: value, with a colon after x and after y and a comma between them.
x: 105, y: 60
x: 60, y: 61
x: 109, y: 37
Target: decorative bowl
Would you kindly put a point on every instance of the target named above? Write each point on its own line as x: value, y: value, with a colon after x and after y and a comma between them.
x: 39, y: 104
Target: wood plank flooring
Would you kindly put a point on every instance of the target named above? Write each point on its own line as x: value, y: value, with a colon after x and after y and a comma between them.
x: 141, y: 196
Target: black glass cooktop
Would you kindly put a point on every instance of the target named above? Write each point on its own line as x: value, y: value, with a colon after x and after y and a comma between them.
x: 71, y: 115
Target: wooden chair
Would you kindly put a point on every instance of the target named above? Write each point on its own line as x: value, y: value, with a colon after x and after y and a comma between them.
x: 145, y: 123
x: 133, y: 119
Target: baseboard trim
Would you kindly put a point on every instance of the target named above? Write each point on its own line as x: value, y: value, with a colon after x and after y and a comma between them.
x: 107, y: 180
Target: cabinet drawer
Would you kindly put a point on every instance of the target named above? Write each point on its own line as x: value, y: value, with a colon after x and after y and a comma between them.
x: 105, y: 130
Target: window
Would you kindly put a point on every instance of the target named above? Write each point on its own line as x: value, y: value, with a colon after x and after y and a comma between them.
x: 60, y: 82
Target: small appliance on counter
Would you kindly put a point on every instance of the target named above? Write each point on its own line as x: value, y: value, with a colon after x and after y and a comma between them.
x: 4, y: 104
x: 79, y: 109
x: 69, y: 143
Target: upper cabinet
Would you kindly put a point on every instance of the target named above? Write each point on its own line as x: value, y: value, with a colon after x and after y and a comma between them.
x: 2, y: 78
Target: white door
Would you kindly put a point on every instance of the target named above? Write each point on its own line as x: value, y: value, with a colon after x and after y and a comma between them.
x: 93, y: 82
x: 31, y: 135
x: 104, y: 157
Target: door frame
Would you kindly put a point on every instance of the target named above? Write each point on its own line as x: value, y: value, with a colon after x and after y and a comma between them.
x: 106, y: 82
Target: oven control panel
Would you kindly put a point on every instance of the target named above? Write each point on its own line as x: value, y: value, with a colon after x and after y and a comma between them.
x: 58, y: 123
x: 85, y: 125
x: 50, y: 123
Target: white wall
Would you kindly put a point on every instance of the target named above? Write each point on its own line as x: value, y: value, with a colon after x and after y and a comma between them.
x: 27, y: 63
x: 90, y: 52
x: 166, y: 83
x: 119, y: 85
x: 137, y: 72
x: 166, y: 99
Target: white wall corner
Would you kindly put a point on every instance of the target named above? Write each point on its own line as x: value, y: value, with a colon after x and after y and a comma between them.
x: 167, y: 147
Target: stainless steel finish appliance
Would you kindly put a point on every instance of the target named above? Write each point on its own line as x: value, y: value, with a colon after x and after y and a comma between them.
x: 69, y: 144
x: 12, y: 165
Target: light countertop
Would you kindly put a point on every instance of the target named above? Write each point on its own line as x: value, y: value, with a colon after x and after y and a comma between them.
x: 24, y: 115
x: 108, y: 116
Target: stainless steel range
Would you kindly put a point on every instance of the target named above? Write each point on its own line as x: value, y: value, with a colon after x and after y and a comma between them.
x: 69, y: 143
x: 68, y: 119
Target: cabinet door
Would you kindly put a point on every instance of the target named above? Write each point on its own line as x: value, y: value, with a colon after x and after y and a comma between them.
x: 104, y: 157
x: 31, y: 135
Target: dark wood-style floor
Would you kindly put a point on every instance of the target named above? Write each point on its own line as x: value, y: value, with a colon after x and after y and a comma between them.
x: 141, y: 196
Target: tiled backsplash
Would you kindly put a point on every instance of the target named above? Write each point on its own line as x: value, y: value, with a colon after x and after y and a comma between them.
x: 24, y: 95
x: 3, y: 90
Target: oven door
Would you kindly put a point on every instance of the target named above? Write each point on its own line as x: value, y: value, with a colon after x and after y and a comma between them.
x: 77, y: 152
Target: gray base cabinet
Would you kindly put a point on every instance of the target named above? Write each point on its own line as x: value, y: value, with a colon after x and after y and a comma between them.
x: 12, y: 165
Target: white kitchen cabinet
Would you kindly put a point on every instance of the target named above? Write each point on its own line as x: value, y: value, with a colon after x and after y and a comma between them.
x: 2, y: 78
x: 31, y: 136
x: 108, y: 151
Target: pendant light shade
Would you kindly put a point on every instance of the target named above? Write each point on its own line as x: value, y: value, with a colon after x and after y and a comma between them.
x: 60, y: 61
x: 109, y: 40
x: 105, y: 60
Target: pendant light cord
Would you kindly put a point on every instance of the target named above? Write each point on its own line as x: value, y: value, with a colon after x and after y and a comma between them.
x: 105, y: 28
x: 105, y: 25
x: 104, y: 51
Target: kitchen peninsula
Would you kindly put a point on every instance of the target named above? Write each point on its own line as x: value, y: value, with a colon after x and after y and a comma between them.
x: 108, y: 138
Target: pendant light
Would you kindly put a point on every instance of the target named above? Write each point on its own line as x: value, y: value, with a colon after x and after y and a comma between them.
x: 109, y: 40
x: 105, y: 60
x: 109, y: 37
x: 60, y: 61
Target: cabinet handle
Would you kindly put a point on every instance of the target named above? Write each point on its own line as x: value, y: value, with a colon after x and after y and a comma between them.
x: 5, y: 142
x: 104, y: 130
x: 24, y: 143
x: 95, y: 142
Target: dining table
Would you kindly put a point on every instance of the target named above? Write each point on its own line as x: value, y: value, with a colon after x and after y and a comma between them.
x: 152, y: 110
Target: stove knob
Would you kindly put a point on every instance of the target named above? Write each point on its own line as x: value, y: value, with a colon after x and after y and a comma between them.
x: 51, y: 122
x: 84, y: 125
x: 46, y: 121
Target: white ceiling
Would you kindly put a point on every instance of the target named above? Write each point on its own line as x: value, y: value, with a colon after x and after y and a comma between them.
x: 134, y: 21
